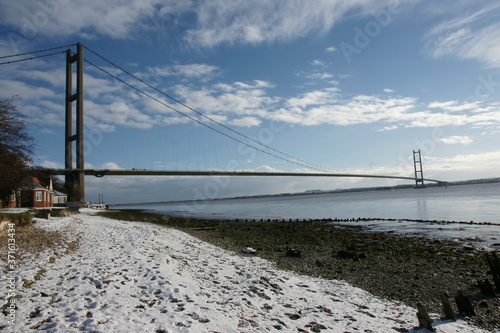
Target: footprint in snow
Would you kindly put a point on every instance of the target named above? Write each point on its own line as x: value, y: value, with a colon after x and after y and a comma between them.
x: 96, y: 283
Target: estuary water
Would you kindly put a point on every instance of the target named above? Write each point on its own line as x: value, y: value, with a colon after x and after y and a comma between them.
x: 401, y: 210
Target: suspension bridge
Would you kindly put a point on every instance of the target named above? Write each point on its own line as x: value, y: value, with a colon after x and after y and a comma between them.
x: 74, y: 135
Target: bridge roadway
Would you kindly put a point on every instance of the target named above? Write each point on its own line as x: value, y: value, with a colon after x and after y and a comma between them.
x: 144, y: 172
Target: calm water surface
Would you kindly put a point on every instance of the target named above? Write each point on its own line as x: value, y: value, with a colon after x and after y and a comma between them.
x: 477, y: 203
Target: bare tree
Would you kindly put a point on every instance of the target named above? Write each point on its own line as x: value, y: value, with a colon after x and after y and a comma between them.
x: 16, y: 147
x: 42, y: 172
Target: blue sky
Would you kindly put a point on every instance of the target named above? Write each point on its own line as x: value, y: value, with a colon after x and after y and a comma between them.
x: 351, y: 86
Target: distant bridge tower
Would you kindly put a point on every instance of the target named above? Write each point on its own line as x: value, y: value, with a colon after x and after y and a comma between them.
x: 419, y: 173
x: 75, y: 180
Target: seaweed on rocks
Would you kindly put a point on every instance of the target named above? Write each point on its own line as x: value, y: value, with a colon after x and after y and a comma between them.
x: 409, y: 269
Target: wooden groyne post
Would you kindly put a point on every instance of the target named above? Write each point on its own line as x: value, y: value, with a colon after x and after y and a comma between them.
x: 494, y: 264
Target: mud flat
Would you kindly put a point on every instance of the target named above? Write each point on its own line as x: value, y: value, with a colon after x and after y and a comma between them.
x: 409, y: 269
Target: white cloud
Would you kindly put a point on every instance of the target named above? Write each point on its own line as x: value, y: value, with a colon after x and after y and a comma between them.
x: 464, y: 140
x: 454, y: 106
x: 256, y: 84
x: 318, y: 77
x: 266, y: 168
x: 331, y: 49
x: 325, y: 107
x: 215, y: 22
x: 319, y: 63
x: 36, y: 102
x: 51, y: 165
x: 333, y: 107
x: 52, y: 76
x: 473, y: 35
x: 174, y: 120
x: 9, y: 88
x: 119, y: 112
x: 246, y: 122
x: 467, y: 166
x: 114, y: 18
x: 388, y: 128
x: 428, y: 119
x: 322, y: 76
x: 110, y: 165
x: 110, y: 104
x: 265, y: 21
x: 318, y: 97
x: 96, y: 87
x: 107, y: 165
x: 389, y: 91
x: 188, y: 71
x: 238, y: 98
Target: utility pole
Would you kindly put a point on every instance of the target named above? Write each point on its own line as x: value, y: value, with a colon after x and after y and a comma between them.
x: 419, y: 174
x: 75, y: 178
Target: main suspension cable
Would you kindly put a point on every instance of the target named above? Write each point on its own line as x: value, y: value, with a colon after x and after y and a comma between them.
x: 39, y: 51
x: 194, y: 119
x: 307, y: 164
x: 32, y: 58
x: 430, y: 167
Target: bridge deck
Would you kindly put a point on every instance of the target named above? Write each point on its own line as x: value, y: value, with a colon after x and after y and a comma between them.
x: 143, y: 172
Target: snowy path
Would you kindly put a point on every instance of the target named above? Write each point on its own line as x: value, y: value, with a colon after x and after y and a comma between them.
x: 136, y: 277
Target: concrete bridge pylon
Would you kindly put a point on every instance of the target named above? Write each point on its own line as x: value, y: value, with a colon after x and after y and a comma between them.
x: 75, y: 178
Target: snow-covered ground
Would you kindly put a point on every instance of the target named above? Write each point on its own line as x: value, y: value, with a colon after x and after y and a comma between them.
x: 138, y: 277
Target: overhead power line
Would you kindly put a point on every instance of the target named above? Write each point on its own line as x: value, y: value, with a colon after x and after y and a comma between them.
x: 302, y: 162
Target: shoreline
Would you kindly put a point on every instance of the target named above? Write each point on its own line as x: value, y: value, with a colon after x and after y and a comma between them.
x: 494, y: 180
x: 485, y: 240
x: 408, y: 269
x: 154, y: 273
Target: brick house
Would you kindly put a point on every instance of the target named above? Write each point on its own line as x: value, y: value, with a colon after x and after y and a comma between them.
x: 60, y: 199
x: 38, y: 193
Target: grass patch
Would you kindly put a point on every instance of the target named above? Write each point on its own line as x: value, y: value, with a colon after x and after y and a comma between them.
x: 19, y: 219
x: 144, y: 216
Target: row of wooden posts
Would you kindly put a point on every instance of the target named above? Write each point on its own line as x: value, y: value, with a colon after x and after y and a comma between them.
x: 463, y: 302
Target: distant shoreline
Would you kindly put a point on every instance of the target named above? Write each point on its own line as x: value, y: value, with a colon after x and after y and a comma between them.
x: 320, y: 192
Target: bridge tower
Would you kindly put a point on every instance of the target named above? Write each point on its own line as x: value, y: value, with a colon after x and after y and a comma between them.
x: 74, y: 179
x: 419, y: 173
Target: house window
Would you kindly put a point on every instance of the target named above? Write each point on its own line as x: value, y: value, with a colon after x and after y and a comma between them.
x: 55, y: 199
x: 13, y: 197
x: 38, y: 196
